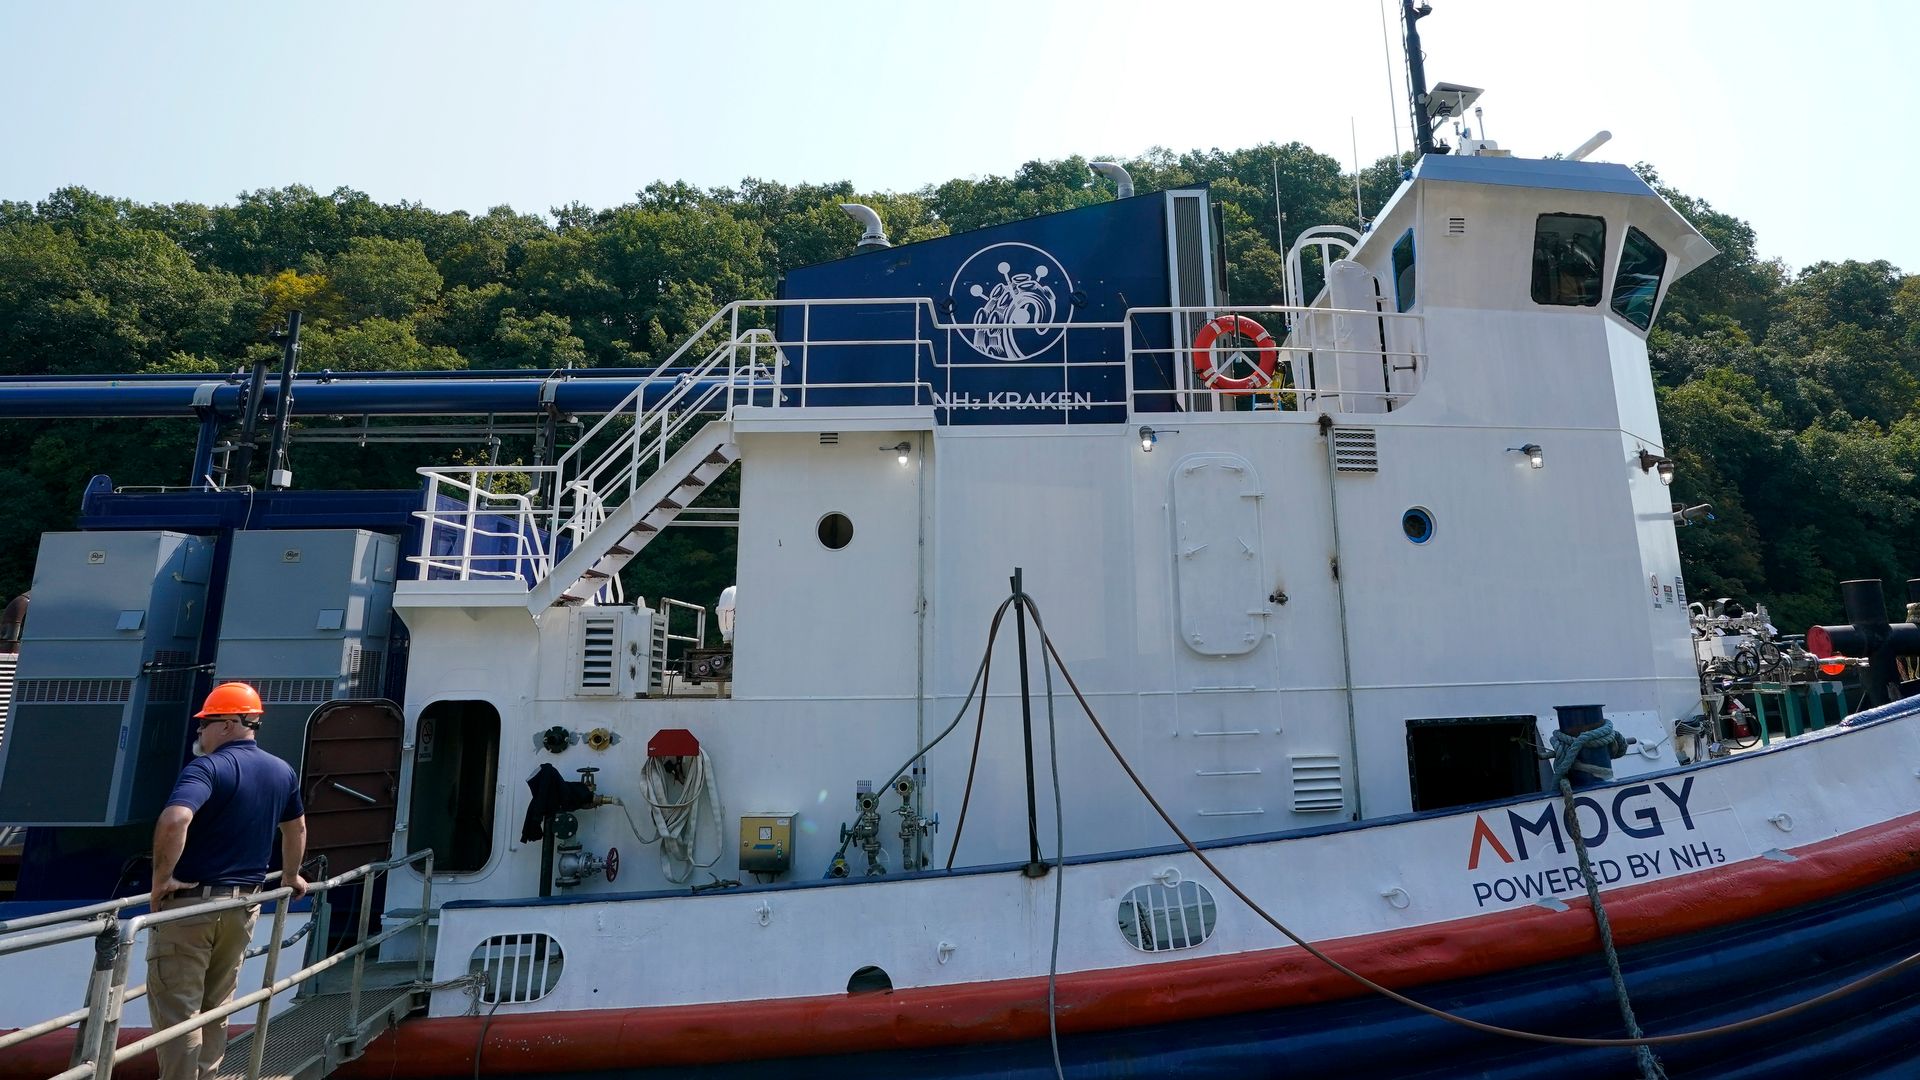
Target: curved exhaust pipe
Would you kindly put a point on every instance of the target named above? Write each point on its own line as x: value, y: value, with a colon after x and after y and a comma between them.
x: 1599, y: 138
x: 1113, y: 171
x: 874, y: 234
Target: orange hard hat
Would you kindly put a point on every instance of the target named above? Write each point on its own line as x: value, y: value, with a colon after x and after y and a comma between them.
x: 231, y: 699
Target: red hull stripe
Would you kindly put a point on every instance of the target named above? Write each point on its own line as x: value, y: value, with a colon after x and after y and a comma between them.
x: 1014, y: 1009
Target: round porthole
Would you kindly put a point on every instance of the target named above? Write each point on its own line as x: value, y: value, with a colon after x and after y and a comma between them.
x: 1417, y: 523
x: 836, y: 530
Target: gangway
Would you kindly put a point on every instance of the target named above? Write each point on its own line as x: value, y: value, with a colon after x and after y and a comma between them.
x: 341, y: 1002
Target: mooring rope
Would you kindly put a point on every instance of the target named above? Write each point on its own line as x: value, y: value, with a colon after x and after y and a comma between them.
x: 1567, y: 749
x: 1872, y: 978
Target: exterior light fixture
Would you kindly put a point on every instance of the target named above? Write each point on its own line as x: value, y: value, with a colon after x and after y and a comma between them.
x: 1532, y: 450
x: 1653, y: 463
x: 903, y: 451
x: 1148, y: 436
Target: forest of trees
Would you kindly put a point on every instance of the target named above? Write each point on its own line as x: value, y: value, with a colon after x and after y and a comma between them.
x: 1790, y: 400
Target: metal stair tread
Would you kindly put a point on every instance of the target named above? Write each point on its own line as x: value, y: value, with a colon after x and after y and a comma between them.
x: 298, y: 1038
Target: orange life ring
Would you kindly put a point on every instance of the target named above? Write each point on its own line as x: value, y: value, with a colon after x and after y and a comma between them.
x: 1267, y: 353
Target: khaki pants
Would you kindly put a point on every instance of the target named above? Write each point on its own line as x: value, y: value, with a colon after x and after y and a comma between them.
x: 191, y: 967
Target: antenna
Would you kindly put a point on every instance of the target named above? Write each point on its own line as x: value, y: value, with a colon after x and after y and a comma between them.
x: 1359, y: 212
x: 1386, y: 50
x: 1417, y: 77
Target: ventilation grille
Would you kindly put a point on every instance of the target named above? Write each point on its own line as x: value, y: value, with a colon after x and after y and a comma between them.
x: 1317, y: 785
x: 829, y: 438
x: 8, y: 662
x: 289, y: 691
x: 172, y: 676
x: 516, y: 968
x: 75, y: 691
x: 1354, y: 450
x: 364, y: 671
x: 599, y: 653
x: 1456, y: 226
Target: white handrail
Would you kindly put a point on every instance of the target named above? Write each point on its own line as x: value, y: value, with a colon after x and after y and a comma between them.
x: 108, y: 992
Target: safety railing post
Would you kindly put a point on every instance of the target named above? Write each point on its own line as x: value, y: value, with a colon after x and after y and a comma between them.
x: 107, y: 1033
x: 258, y: 1041
x: 433, y: 525
x: 106, y: 949
x: 360, y: 958
x: 466, y: 534
x: 426, y: 916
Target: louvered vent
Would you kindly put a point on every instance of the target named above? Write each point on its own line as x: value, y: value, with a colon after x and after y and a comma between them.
x: 829, y: 438
x: 599, y: 653
x: 8, y: 661
x: 1456, y: 226
x: 75, y: 691
x: 171, y: 675
x: 291, y: 691
x: 364, y: 671
x: 1354, y: 450
x: 1317, y: 785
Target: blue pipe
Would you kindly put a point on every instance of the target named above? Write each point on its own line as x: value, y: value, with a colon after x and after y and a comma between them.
x: 426, y: 397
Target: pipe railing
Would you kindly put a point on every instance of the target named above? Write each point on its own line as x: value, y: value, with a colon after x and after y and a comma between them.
x: 107, y: 994
x: 1325, y: 365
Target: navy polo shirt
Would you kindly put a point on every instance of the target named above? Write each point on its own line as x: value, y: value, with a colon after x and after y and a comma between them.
x: 239, y: 795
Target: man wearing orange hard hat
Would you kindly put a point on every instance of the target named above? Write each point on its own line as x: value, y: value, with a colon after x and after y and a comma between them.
x: 214, y: 841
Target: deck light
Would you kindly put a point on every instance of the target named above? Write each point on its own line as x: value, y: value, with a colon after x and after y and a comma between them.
x: 1147, y: 439
x: 1661, y: 466
x: 1532, y: 450
x: 903, y: 451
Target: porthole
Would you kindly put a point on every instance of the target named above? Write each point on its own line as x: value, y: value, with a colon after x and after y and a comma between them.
x: 516, y: 967
x: 836, y: 531
x: 1417, y: 524
x: 1156, y: 918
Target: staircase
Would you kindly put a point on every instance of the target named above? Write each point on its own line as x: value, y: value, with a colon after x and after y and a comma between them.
x: 622, y: 481
x: 611, y: 543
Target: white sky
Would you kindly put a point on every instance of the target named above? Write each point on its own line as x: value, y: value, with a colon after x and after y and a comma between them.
x: 1780, y: 113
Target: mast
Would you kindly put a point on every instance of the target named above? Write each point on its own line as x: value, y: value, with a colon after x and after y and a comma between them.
x: 1417, y: 77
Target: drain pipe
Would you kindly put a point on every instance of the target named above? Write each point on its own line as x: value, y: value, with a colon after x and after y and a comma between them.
x: 1113, y: 171
x: 1340, y: 592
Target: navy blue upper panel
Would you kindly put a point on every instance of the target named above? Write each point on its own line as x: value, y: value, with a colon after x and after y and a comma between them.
x: 1087, y: 265
x: 1600, y: 176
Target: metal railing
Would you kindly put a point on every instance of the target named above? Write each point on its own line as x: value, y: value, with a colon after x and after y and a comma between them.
x: 95, y: 1053
x: 1328, y: 360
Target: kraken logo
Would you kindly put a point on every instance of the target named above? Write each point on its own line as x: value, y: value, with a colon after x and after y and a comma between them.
x: 1014, y: 313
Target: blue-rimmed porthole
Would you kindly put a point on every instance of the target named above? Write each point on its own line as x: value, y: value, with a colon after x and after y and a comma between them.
x: 1417, y: 523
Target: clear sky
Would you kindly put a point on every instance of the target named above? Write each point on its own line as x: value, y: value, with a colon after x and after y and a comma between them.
x: 1782, y: 113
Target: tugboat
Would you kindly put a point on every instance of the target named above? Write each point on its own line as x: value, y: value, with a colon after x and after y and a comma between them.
x: 1119, y: 682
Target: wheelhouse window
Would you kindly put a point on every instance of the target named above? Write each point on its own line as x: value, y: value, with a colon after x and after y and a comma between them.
x: 1637, y: 286
x: 1403, y: 279
x: 1568, y: 252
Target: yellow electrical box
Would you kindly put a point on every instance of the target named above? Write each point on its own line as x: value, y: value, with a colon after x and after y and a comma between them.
x: 766, y: 843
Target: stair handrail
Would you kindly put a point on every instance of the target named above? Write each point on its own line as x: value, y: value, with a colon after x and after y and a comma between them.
x: 107, y: 991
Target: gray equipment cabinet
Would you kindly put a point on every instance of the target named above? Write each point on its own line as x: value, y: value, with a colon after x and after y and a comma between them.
x: 100, y: 714
x: 306, y: 621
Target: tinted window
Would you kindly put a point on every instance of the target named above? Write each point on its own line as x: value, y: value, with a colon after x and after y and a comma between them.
x: 1638, y: 284
x: 1403, y: 272
x: 1567, y: 256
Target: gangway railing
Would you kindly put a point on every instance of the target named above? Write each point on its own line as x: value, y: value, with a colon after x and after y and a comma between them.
x: 95, y: 1052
